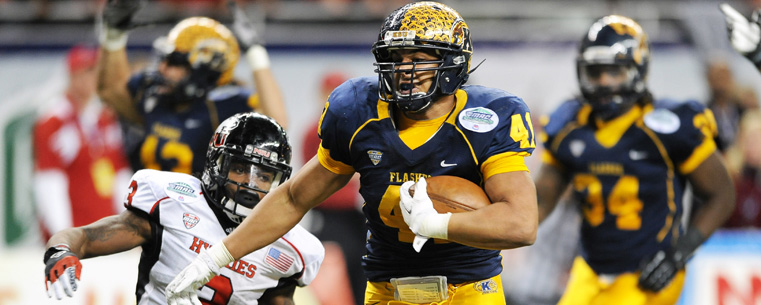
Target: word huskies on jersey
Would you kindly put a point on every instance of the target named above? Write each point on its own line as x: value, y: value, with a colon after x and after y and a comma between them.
x: 239, y: 266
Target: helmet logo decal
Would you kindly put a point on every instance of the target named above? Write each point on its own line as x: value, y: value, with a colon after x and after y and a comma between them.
x: 458, y: 34
x: 190, y: 220
x: 478, y: 119
x: 262, y: 152
x: 400, y: 38
x: 375, y: 156
x: 219, y: 139
x: 209, y: 52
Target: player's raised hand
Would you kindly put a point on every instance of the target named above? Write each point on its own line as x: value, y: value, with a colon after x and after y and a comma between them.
x: 62, y: 270
x: 118, y: 14
x: 744, y: 34
x: 244, y: 28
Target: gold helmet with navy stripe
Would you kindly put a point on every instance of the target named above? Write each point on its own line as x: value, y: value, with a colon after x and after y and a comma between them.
x: 207, y: 45
x: 423, y: 25
x: 618, y: 43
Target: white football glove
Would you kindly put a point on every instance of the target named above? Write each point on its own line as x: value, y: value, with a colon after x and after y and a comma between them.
x: 182, y: 290
x: 744, y: 35
x: 248, y: 38
x: 419, y: 214
x: 62, y: 271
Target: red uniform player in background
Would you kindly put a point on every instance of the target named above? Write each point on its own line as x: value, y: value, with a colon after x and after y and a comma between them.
x: 79, y: 160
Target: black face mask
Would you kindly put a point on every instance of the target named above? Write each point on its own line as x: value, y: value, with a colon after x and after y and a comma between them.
x: 197, y: 85
x: 246, y: 198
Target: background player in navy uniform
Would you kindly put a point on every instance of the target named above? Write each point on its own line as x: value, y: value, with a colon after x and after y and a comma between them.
x: 180, y: 103
x: 414, y: 120
x: 174, y: 216
x: 744, y: 34
x: 628, y: 159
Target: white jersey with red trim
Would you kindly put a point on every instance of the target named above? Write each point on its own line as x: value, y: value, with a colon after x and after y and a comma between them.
x: 183, y: 223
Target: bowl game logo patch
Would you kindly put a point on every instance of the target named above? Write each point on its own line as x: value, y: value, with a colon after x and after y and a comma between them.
x: 478, y: 119
x: 190, y: 220
x: 181, y: 191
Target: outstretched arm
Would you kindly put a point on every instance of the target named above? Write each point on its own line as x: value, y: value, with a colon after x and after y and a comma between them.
x: 109, y: 235
x: 113, y: 67
x: 282, y: 209
x: 271, y: 100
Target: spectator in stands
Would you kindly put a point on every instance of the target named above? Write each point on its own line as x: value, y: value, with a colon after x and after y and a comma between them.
x: 79, y: 159
x: 728, y: 101
x: 744, y: 161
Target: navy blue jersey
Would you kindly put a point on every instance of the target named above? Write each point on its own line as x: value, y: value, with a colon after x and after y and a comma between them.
x: 177, y: 141
x: 629, y: 175
x: 358, y: 134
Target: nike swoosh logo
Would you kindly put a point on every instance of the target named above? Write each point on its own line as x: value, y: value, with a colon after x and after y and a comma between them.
x: 445, y: 164
x: 637, y: 155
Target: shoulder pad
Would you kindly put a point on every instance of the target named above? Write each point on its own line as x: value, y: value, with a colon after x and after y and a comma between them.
x: 564, y: 114
x: 668, y: 115
x: 150, y: 186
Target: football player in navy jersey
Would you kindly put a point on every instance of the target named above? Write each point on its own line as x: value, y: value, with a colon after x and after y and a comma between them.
x: 415, y: 119
x: 175, y: 216
x: 744, y: 34
x: 178, y: 105
x: 628, y: 159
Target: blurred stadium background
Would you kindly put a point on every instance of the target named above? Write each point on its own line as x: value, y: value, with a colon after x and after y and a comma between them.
x: 528, y: 48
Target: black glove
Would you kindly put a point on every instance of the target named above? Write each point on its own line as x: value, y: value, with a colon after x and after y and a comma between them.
x: 62, y: 270
x: 244, y: 29
x: 659, y: 270
x: 118, y: 14
x: 744, y: 34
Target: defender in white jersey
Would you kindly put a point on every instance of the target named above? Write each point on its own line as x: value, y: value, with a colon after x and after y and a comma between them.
x: 175, y: 216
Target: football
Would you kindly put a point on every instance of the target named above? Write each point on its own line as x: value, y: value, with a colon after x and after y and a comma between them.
x: 454, y: 194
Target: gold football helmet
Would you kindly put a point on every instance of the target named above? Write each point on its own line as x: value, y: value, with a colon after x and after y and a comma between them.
x: 429, y: 26
x: 618, y: 43
x: 206, y: 42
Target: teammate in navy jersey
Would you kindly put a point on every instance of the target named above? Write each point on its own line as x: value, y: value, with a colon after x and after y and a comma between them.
x: 178, y: 105
x: 175, y: 216
x: 414, y: 120
x: 628, y: 159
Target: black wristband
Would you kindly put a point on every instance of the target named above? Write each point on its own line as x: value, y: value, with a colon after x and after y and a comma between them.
x: 53, y: 250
